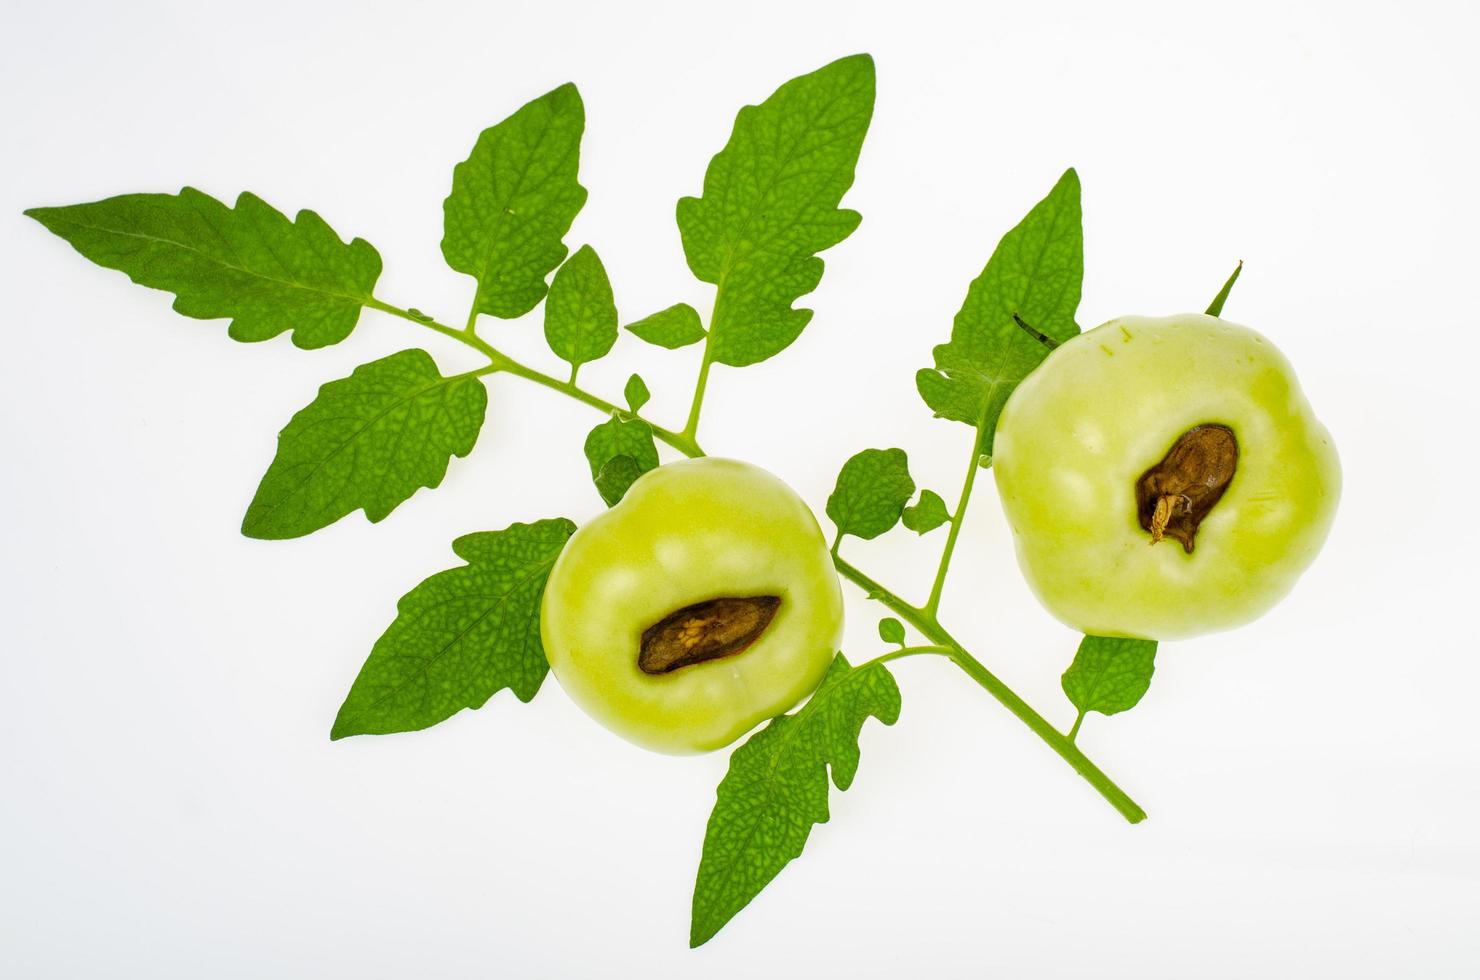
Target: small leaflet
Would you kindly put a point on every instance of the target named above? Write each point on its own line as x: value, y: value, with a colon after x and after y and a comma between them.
x: 636, y: 392
x: 1109, y: 674
x: 580, y: 314
x: 891, y: 630
x: 614, y: 440
x: 927, y: 514
x: 678, y: 326
x: 871, y: 492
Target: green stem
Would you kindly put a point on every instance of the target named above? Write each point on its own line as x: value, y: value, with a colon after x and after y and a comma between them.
x: 1074, y: 732
x: 929, y: 627
x: 691, y: 427
x: 932, y: 605
x: 500, y: 361
x: 923, y: 619
x: 908, y: 652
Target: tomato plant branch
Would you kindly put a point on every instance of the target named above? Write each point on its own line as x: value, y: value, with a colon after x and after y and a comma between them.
x: 930, y: 627
x: 932, y: 604
x: 500, y: 361
x: 922, y: 618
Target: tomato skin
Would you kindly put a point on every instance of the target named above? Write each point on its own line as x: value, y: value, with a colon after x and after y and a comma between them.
x: 1077, y: 434
x: 685, y: 533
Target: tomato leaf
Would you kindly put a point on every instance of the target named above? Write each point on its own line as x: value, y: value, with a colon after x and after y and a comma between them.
x: 616, y: 477
x: 370, y: 440
x: 636, y: 392
x: 871, y: 492
x: 776, y: 789
x: 1036, y: 272
x: 249, y: 263
x: 580, y: 315
x: 461, y: 636
x: 678, y: 326
x: 512, y: 201
x: 1109, y: 674
x: 770, y: 204
x: 1215, y: 308
x: 612, y: 441
x: 927, y: 514
x: 891, y: 630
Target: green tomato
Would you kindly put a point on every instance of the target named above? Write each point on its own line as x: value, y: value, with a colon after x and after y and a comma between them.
x: 1164, y: 477
x: 703, y: 603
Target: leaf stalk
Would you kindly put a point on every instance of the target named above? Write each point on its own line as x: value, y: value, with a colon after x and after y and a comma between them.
x: 691, y: 427
x: 499, y: 361
x: 932, y: 605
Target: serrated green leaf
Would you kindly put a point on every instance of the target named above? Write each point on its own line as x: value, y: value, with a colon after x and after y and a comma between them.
x: 678, y: 326
x: 770, y: 205
x: 580, y: 315
x: 248, y: 263
x: 891, y: 630
x: 927, y: 514
x: 512, y: 201
x: 776, y: 789
x: 871, y: 492
x: 1109, y: 674
x: 636, y: 393
x: 461, y: 636
x: 615, y: 438
x: 1036, y: 271
x: 370, y: 440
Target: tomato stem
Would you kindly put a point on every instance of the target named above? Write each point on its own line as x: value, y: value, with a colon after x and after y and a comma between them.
x: 932, y: 605
x: 927, y: 624
x: 922, y: 619
x: 691, y: 426
x: 499, y: 361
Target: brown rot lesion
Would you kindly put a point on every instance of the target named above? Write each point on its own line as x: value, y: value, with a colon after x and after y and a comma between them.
x: 1176, y: 495
x: 705, y: 631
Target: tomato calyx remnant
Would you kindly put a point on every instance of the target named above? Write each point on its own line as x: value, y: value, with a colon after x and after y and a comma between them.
x: 1175, y: 495
x: 705, y: 631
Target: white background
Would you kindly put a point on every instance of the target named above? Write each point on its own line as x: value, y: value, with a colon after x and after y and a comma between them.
x: 171, y: 804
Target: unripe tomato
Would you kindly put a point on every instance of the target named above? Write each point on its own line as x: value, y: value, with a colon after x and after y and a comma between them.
x: 1164, y: 477
x: 703, y: 603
